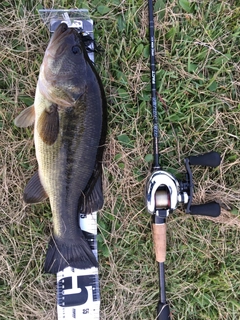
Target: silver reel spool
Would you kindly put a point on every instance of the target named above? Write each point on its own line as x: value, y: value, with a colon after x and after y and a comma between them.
x: 163, y: 192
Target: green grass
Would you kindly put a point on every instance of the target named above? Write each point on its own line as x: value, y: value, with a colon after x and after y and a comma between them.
x: 197, y: 61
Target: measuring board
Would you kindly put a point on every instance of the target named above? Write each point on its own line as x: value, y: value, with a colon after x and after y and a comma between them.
x: 78, y: 294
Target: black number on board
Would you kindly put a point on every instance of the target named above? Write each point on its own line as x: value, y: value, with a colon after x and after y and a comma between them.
x: 73, y: 299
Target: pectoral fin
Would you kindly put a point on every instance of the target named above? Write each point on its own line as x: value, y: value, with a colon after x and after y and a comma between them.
x: 48, y: 125
x: 25, y: 118
x: 34, y: 191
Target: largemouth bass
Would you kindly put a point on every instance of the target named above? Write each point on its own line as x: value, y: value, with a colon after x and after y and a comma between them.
x: 69, y: 116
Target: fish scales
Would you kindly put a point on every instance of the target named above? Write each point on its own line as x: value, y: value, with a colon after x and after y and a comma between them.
x: 70, y: 162
x: 69, y: 116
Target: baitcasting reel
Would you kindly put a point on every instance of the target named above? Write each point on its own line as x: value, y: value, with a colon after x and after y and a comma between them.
x: 164, y: 192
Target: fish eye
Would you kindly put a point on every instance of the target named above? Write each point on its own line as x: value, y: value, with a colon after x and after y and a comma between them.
x: 76, y: 49
x: 64, y: 27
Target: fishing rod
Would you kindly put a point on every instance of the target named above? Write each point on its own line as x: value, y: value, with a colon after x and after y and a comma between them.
x: 164, y: 193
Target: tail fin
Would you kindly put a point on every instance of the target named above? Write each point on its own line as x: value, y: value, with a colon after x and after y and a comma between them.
x: 61, y: 255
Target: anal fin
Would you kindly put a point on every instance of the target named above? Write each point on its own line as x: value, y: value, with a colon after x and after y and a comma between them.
x: 34, y: 191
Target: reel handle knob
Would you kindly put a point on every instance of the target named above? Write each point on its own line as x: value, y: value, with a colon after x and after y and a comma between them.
x: 210, y: 159
x: 211, y: 209
x: 163, y: 311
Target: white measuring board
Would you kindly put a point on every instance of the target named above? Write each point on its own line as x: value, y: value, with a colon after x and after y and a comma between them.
x: 78, y: 295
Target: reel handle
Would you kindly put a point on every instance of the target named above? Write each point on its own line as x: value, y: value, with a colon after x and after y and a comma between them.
x: 211, y: 209
x: 210, y: 159
x: 163, y: 311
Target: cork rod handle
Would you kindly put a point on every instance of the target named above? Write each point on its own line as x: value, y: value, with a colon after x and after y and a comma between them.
x: 159, y: 239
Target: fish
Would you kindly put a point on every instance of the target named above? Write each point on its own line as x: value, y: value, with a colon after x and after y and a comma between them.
x: 70, y: 125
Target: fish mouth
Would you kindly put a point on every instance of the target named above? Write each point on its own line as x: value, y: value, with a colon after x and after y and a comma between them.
x: 58, y: 75
x: 62, y: 31
x: 61, y: 39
